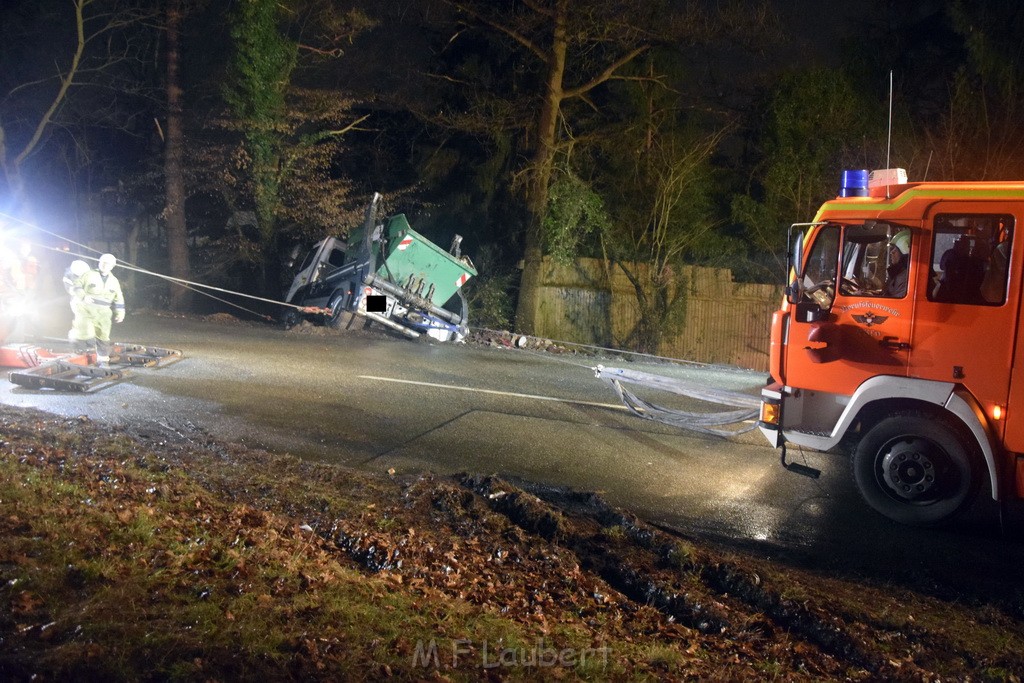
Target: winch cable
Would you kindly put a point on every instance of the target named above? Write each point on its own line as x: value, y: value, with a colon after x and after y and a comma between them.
x: 187, y: 284
x: 747, y: 406
x: 196, y: 287
x: 693, y: 421
x: 699, y: 422
x: 604, y: 349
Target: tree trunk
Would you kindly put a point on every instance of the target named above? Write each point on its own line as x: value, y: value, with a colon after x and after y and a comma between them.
x: 540, y: 177
x: 174, y: 211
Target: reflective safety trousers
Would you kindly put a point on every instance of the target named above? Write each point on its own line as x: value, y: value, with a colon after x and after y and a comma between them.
x: 91, y: 324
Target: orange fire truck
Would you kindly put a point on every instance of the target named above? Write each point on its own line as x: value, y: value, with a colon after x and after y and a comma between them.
x: 899, y: 340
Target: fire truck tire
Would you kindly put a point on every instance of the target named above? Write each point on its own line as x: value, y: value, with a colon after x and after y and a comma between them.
x: 916, y: 468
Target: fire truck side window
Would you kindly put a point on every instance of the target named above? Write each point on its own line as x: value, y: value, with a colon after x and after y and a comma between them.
x: 876, y: 257
x: 970, y: 259
x: 819, y: 276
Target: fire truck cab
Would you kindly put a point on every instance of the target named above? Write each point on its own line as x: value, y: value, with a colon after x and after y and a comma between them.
x: 898, y: 340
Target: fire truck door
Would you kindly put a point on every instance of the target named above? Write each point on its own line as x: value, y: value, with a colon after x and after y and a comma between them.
x: 1014, y: 438
x: 967, y: 313
x: 867, y: 329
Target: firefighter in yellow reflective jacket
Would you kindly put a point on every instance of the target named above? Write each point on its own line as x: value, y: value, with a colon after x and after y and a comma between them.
x: 96, y: 297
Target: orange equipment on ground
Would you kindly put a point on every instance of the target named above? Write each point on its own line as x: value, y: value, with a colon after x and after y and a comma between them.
x: 922, y: 379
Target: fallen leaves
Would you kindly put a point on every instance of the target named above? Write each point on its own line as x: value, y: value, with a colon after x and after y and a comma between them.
x: 25, y: 602
x: 249, y: 540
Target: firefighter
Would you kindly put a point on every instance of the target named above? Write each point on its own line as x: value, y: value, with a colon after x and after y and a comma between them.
x: 12, y: 279
x: 74, y: 272
x: 76, y: 278
x: 12, y: 296
x: 29, y: 266
x: 20, y: 279
x: 899, y: 264
x: 95, y: 297
x: 109, y: 300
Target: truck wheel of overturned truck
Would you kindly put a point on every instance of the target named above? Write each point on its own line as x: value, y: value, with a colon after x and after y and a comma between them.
x: 916, y: 468
x: 340, y: 315
x: 290, y: 319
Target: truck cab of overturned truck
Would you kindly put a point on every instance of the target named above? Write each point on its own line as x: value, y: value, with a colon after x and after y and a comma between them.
x: 386, y: 273
x: 899, y: 340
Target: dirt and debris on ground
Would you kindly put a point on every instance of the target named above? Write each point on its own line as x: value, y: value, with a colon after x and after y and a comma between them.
x: 164, y: 554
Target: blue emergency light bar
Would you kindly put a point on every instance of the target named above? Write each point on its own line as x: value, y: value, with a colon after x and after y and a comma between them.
x: 854, y: 184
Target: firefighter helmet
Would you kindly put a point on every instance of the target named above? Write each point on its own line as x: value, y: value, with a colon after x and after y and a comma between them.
x: 901, y: 241
x: 107, y: 263
x: 78, y: 268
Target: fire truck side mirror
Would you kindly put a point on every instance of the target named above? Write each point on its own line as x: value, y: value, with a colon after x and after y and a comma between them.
x: 794, y: 263
x: 793, y: 292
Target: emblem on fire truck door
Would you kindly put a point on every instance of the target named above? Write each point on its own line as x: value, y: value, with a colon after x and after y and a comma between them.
x: 868, y: 319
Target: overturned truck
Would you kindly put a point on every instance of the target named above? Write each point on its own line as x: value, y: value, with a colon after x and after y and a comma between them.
x: 385, y: 273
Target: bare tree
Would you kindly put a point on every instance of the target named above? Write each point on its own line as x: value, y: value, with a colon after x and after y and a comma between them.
x: 649, y: 248
x: 174, y: 180
x: 91, y: 53
x: 290, y: 134
x: 579, y: 45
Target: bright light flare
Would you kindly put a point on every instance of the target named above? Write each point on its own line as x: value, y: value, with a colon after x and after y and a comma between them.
x: 16, y: 307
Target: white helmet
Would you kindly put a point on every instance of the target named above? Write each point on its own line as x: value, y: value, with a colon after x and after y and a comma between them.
x: 78, y: 268
x: 107, y: 263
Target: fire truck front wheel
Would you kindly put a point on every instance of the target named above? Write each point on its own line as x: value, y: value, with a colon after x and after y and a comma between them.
x: 916, y: 468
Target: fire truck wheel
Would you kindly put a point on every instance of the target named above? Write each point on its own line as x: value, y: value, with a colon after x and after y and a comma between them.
x: 915, y: 468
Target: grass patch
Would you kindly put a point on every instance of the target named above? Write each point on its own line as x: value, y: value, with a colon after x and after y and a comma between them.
x: 121, y: 559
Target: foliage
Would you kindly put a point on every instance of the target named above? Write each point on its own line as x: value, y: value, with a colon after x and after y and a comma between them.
x: 263, y: 64
x: 815, y: 124
x: 979, y: 136
x: 69, y: 93
x: 575, y: 212
x: 291, y: 136
x: 489, y: 294
x: 652, y: 168
x: 567, y: 51
x: 674, y: 222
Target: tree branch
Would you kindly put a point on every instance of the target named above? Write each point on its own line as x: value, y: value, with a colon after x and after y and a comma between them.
x: 608, y: 73
x: 543, y: 11
x: 65, y: 84
x: 507, y: 30
x: 332, y: 52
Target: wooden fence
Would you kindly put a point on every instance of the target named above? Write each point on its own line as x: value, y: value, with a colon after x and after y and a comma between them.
x: 719, y: 321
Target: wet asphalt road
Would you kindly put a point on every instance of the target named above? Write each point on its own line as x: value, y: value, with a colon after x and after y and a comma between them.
x: 370, y: 401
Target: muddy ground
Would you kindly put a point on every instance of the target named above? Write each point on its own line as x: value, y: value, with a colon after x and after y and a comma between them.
x: 150, y: 554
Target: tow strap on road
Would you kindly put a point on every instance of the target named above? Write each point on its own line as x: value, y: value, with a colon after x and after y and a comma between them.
x: 704, y: 423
